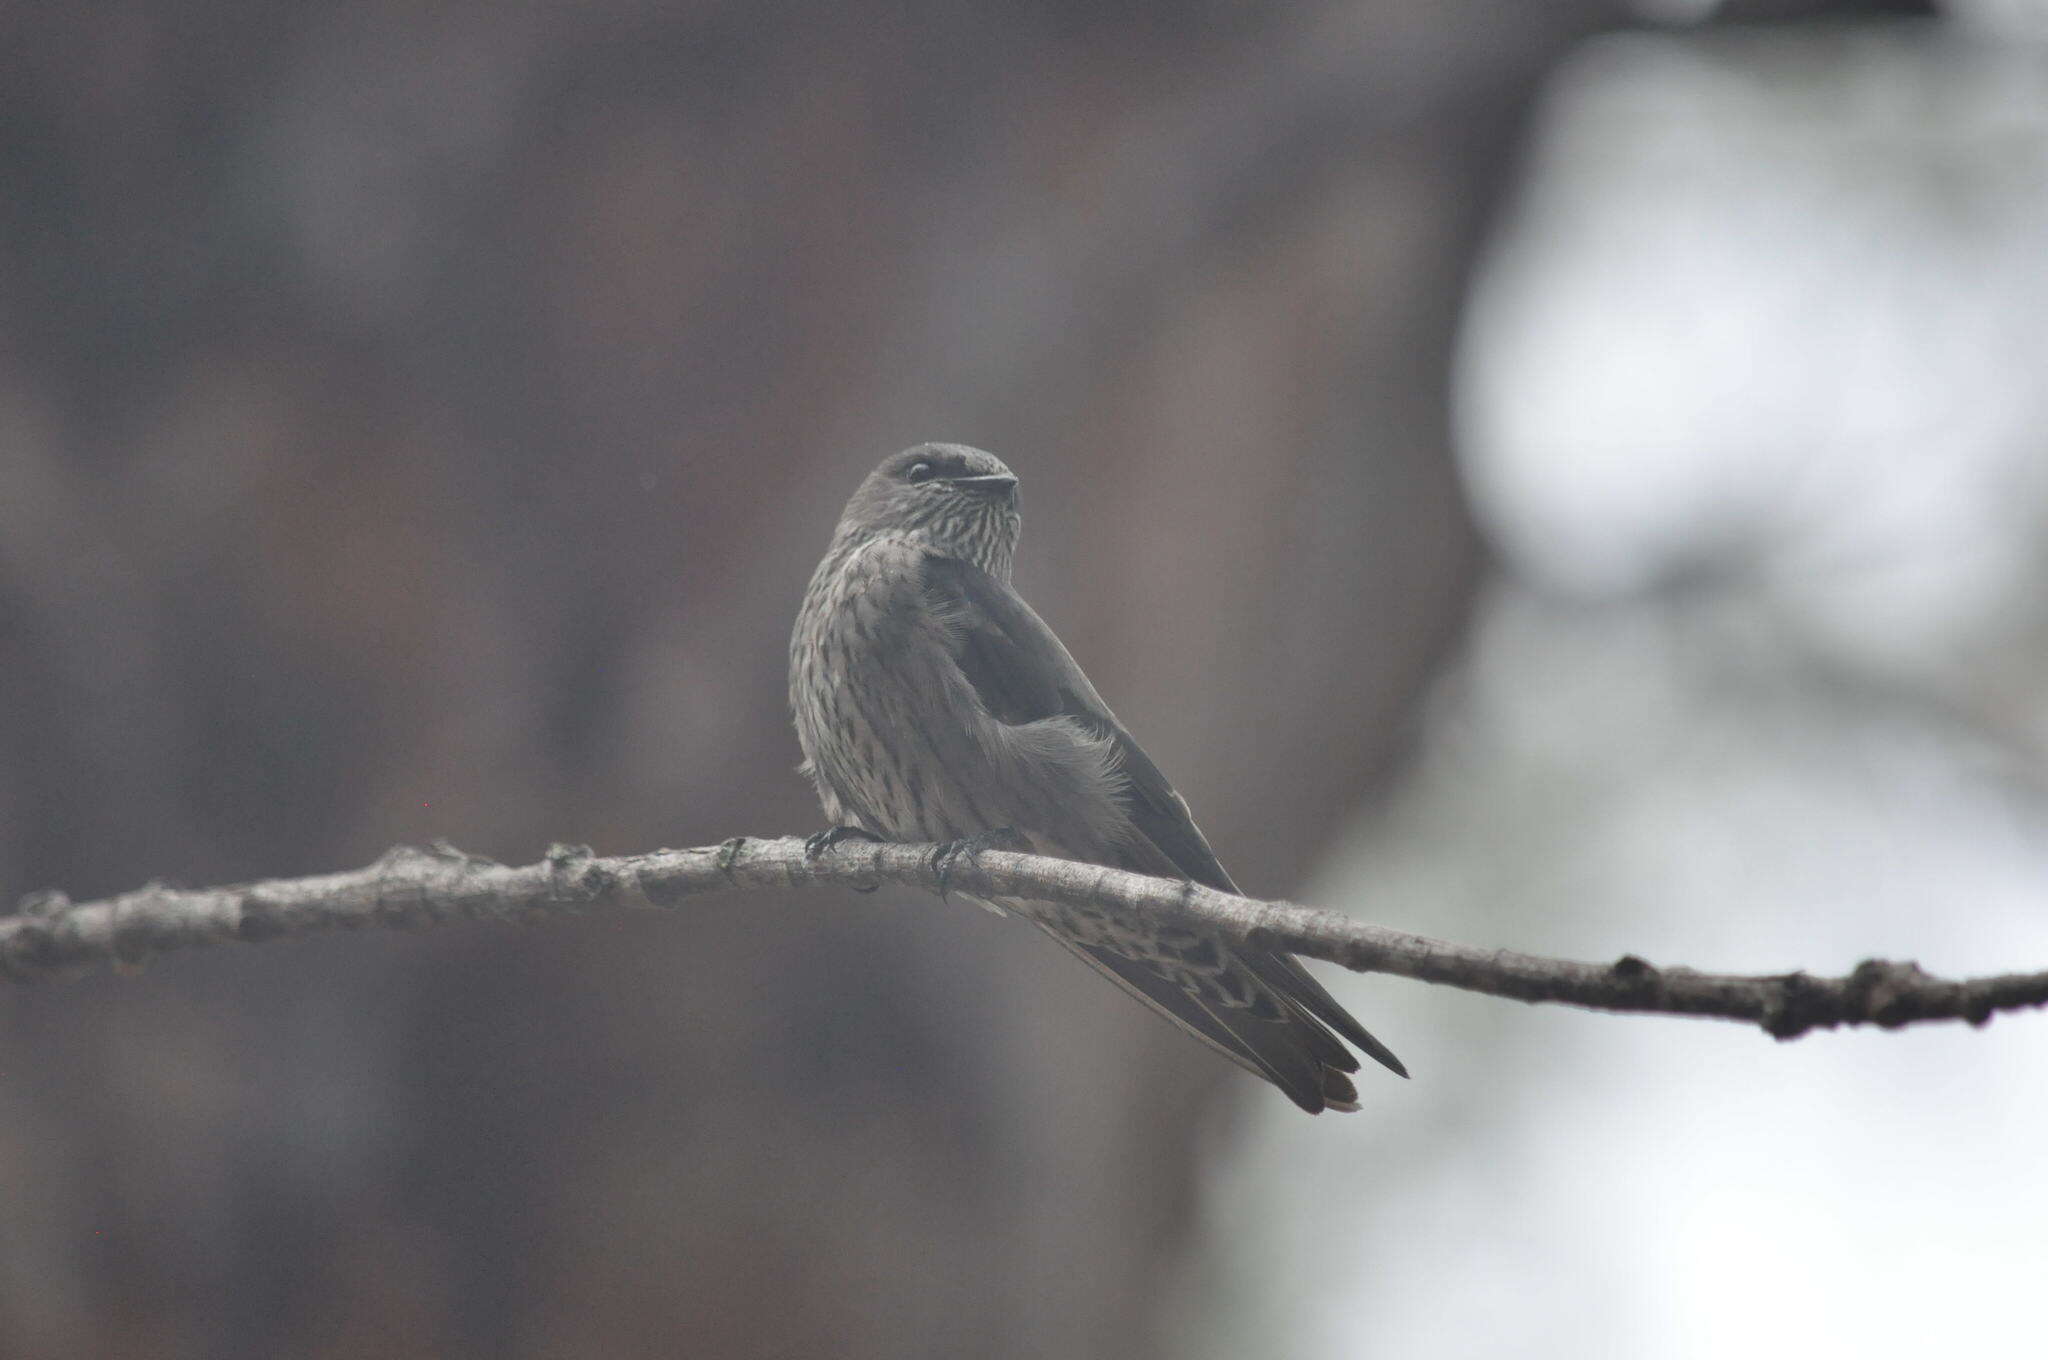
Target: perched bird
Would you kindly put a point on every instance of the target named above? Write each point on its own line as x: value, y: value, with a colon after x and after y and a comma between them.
x: 933, y: 705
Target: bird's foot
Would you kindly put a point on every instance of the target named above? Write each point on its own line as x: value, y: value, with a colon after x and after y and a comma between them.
x: 818, y: 843
x: 728, y: 852
x: 947, y: 857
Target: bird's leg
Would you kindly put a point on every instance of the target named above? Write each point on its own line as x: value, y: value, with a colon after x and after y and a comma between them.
x: 947, y: 855
x: 819, y: 842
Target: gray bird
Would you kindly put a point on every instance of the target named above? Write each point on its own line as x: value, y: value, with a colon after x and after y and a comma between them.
x: 933, y: 704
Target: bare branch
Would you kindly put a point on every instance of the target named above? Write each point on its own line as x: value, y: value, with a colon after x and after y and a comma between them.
x: 410, y: 888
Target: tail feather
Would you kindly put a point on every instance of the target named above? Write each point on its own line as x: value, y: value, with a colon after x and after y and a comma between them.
x: 1282, y: 1044
x: 1285, y: 975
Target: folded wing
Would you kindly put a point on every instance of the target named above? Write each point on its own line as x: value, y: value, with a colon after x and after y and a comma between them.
x: 1259, y: 1008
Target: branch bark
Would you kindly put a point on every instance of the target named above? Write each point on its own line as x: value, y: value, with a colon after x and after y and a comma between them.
x: 412, y: 888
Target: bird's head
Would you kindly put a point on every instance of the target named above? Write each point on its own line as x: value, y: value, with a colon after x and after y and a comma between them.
x: 953, y: 500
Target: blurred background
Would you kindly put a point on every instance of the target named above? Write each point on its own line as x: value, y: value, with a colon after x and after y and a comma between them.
x: 1562, y: 476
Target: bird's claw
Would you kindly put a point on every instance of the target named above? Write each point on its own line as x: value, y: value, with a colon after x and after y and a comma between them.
x: 819, y: 842
x: 728, y: 851
x: 948, y: 855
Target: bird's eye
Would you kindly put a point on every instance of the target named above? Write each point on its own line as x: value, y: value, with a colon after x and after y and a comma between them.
x: 919, y: 472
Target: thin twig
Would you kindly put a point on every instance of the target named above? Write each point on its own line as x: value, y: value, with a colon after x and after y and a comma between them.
x: 411, y: 888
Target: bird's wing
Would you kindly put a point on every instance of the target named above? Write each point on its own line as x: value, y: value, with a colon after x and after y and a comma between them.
x: 1021, y: 673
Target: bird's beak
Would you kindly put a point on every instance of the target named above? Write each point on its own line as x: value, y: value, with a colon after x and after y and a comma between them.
x: 994, y: 484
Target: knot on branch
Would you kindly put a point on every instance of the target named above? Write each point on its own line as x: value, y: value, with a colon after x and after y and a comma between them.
x: 576, y: 877
x: 1636, y: 975
x: 44, y: 902
x: 412, y: 858
x: 413, y: 883
x: 1888, y: 993
x: 1798, y: 1004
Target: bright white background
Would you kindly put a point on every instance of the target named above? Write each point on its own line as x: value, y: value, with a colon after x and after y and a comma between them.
x: 1754, y: 404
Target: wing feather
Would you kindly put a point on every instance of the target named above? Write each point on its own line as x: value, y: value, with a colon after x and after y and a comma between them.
x: 1021, y: 673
